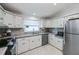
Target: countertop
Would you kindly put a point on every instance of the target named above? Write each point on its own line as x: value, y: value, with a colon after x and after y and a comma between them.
x: 2, y: 50
x: 21, y: 35
x: 57, y: 36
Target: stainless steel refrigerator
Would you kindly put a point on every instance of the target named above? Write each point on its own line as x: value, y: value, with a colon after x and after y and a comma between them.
x: 71, y: 46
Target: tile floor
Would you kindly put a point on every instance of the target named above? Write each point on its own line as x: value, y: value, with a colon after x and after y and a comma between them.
x: 44, y: 50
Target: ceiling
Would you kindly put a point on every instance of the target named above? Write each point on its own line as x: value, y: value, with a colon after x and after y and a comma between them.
x: 35, y: 9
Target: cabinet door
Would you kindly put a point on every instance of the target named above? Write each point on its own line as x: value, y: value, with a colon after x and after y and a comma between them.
x: 22, y: 45
x: 55, y: 41
x: 8, y: 20
x: 58, y: 43
x: 48, y: 23
x: 35, y: 42
x: 38, y: 41
x: 58, y: 22
x: 41, y: 23
x: 18, y: 22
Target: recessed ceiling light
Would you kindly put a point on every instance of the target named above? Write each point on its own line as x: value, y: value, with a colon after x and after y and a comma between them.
x: 54, y: 4
x: 32, y: 18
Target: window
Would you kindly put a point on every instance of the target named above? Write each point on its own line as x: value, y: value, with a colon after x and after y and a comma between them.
x: 31, y: 25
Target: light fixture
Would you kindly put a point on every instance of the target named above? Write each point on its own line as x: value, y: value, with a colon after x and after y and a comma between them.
x: 54, y: 4
x: 32, y: 18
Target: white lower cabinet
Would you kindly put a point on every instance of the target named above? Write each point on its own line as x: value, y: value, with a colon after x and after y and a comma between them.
x: 35, y: 42
x: 22, y: 45
x: 27, y: 43
x: 56, y: 41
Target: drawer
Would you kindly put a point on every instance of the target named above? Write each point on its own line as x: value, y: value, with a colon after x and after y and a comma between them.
x: 35, y: 42
x: 57, y: 43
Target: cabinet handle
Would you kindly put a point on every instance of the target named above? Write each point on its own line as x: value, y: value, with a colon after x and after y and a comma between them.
x: 32, y: 41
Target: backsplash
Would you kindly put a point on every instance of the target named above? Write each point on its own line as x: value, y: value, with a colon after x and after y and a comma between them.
x: 55, y: 31
x: 52, y: 30
x: 42, y: 30
x: 21, y: 31
x: 17, y: 31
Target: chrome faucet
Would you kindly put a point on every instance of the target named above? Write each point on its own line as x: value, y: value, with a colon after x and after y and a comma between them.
x: 33, y: 30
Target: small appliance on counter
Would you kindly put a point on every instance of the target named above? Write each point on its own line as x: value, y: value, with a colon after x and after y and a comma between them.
x: 3, y: 33
x: 6, y: 40
x: 11, y: 44
x: 11, y: 50
x: 59, y: 33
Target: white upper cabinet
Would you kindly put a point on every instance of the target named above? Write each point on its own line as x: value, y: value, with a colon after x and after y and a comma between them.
x: 18, y: 22
x: 12, y: 21
x: 42, y: 23
x: 55, y: 23
x: 58, y: 23
x: 48, y: 23
x: 8, y: 20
